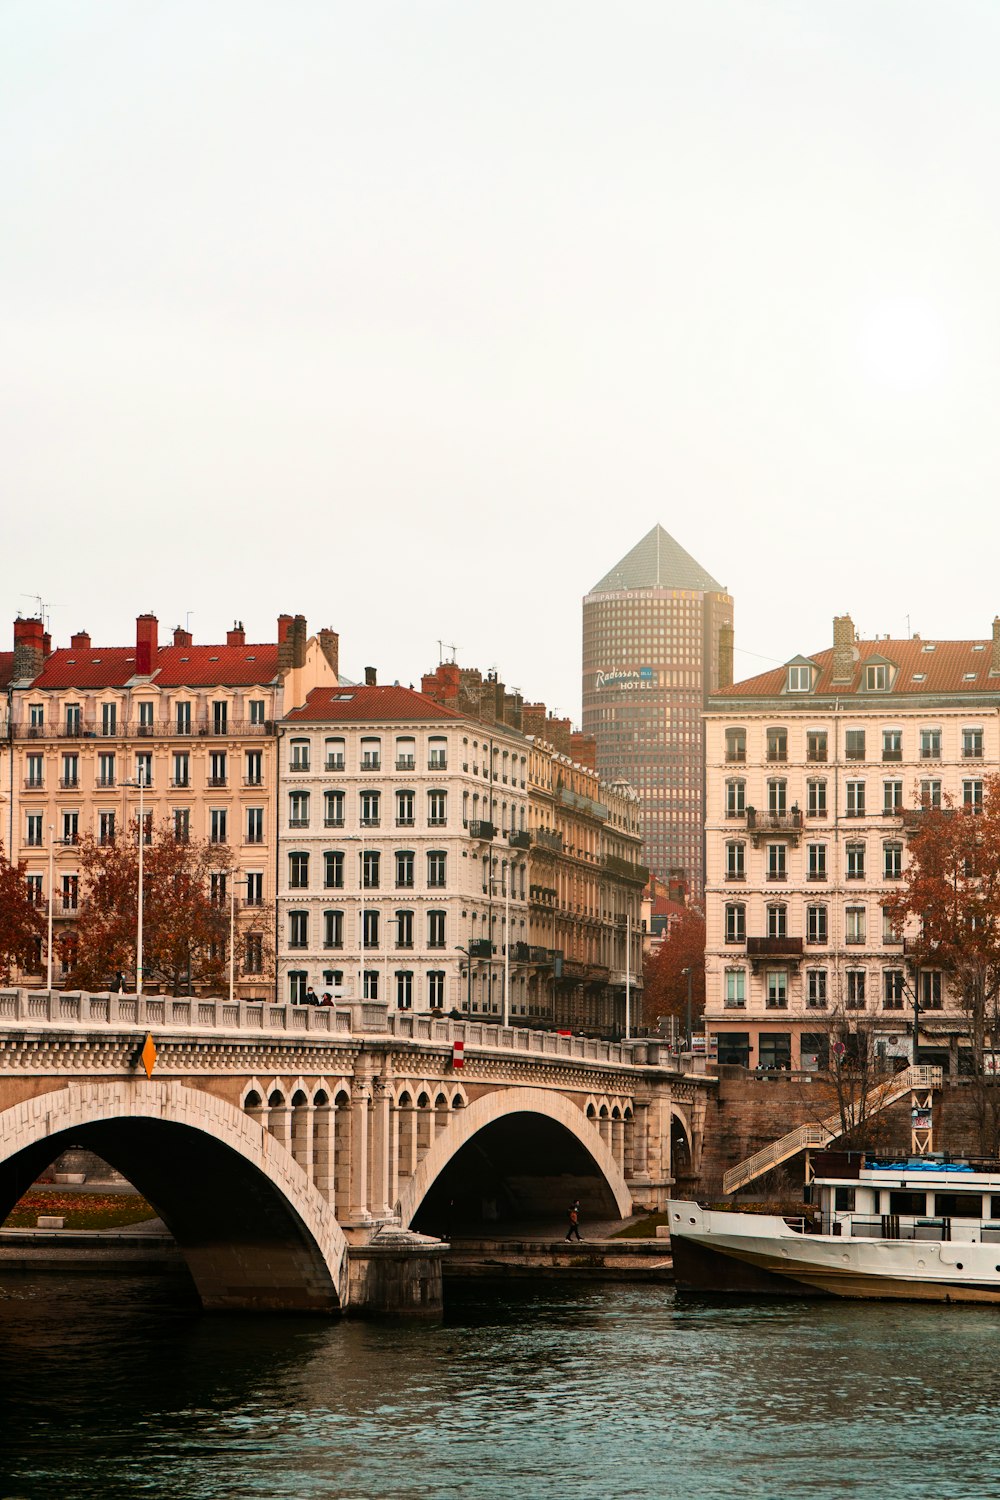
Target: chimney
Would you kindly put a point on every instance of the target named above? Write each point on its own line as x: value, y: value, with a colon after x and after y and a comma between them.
x: 329, y: 644
x: 237, y: 636
x: 533, y: 720
x: 725, y: 656
x: 145, y: 644
x: 284, y: 642
x: 47, y: 644
x: 583, y: 748
x: 182, y: 637
x: 299, y: 639
x: 558, y: 733
x: 29, y: 648
x: 995, y: 655
x: 80, y: 641
x: 370, y: 677
x: 843, y: 651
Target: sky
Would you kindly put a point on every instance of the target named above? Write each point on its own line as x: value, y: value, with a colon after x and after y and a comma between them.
x: 415, y: 317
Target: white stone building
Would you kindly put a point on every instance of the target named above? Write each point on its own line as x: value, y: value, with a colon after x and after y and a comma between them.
x: 811, y: 770
x: 401, y: 853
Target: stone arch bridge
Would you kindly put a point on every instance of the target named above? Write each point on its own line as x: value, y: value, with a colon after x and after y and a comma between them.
x: 282, y: 1143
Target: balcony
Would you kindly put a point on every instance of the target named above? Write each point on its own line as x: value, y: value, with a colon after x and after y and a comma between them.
x: 406, y: 762
x: 520, y: 953
x: 217, y: 781
x: 334, y: 762
x: 34, y: 784
x: 334, y: 821
x: 437, y: 763
x: 298, y: 822
x: 90, y: 729
x: 481, y: 828
x: 623, y: 869
x: 371, y: 763
x: 370, y: 822
x: 546, y: 838
x: 762, y: 951
x: 769, y: 825
x: 520, y: 840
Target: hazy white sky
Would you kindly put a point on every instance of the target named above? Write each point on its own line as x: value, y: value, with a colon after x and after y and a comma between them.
x: 414, y: 317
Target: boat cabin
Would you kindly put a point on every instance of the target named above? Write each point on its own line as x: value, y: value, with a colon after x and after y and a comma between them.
x: 860, y: 1196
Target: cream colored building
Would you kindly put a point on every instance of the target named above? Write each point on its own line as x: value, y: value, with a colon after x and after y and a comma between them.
x: 811, y: 770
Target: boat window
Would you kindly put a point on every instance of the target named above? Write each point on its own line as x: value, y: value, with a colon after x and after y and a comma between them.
x: 843, y: 1200
x: 907, y: 1203
x: 958, y: 1205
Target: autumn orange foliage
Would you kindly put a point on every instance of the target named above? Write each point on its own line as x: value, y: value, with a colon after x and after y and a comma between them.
x: 663, y: 978
x: 21, y: 923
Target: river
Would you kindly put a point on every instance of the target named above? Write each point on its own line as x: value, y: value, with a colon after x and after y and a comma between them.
x: 115, y: 1387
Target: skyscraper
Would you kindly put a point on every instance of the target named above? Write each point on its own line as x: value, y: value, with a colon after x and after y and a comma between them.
x: 657, y: 638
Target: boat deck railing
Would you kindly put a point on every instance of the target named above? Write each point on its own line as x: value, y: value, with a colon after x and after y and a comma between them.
x: 906, y: 1227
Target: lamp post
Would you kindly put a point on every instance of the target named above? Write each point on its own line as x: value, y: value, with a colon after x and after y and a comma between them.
x: 916, y: 1017
x: 690, y: 976
x: 504, y: 879
x: 468, y: 971
x: 140, y: 782
x: 232, y: 936
x: 52, y: 897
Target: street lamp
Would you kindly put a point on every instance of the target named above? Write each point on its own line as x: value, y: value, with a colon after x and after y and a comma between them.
x: 690, y: 976
x: 468, y: 970
x: 140, y: 782
x: 232, y: 935
x: 52, y: 897
x: 505, y: 879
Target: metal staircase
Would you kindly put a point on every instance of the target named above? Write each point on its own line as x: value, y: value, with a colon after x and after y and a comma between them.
x: 819, y: 1134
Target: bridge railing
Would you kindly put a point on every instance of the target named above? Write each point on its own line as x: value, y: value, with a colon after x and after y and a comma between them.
x: 80, y: 1009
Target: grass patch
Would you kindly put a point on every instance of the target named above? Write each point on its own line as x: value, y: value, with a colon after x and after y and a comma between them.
x: 81, y: 1210
x: 643, y: 1229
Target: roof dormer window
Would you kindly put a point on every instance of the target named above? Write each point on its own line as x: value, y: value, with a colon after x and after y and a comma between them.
x: 876, y: 677
x: 800, y: 679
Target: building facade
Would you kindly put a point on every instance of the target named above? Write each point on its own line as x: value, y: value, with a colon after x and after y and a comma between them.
x: 657, y: 634
x: 814, y: 772
x: 194, y: 724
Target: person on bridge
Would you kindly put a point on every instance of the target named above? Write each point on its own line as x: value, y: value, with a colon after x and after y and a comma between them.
x: 311, y: 996
x: 574, y: 1221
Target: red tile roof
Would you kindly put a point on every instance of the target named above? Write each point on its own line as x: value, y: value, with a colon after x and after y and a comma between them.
x: 922, y: 667
x: 367, y: 705
x: 6, y: 668
x: 173, y: 666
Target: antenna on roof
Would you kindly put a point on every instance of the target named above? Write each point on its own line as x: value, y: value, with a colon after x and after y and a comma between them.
x: 444, y: 646
x: 187, y: 618
x: 43, y: 608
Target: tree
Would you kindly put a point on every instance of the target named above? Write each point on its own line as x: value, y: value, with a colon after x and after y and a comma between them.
x: 186, y: 913
x: 664, y: 982
x: 21, y: 922
x: 853, y: 1070
x: 952, y: 887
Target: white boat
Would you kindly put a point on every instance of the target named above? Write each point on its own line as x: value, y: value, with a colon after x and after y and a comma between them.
x: 920, y: 1229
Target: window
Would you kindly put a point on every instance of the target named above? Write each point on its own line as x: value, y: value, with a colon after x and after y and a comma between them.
x: 370, y: 809
x: 735, y: 799
x: 182, y: 717
x: 34, y: 884
x: 217, y: 886
x: 70, y: 770
x: 816, y: 925
x: 404, y: 929
x: 106, y: 828
x: 815, y: 799
x: 404, y: 809
x: 300, y: 756
x: 892, y: 989
x: 333, y: 809
x: 371, y: 754
x: 255, y: 825
x: 254, y: 774
x: 334, y: 754
x: 144, y: 767
x: 370, y: 871
x: 855, y: 998
x: 369, y: 937
x: 816, y: 861
x: 145, y: 718
x: 333, y: 870
x: 972, y: 744
x: 404, y: 869
x: 890, y: 932
x: 70, y: 828
x: 298, y: 871
x: 182, y: 768
x: 253, y: 953
x: 369, y: 984
x: 892, y: 798
x: 298, y: 929
x: 217, y: 825
x: 854, y: 744
x: 892, y: 861
x: 972, y: 796
x: 109, y: 718
x: 816, y: 745
x: 854, y: 924
x: 777, y: 744
x: 799, y: 679
x: 297, y: 984
x: 930, y: 794
x: 930, y: 744
x: 437, y: 866
x: 777, y: 797
x: 35, y: 768
x: 437, y: 809
x: 70, y: 892
x: 435, y: 989
x: 436, y: 929
x: 298, y: 809
x: 930, y: 989
x: 736, y: 989
x: 736, y: 924
x: 735, y: 862
x: 437, y: 755
x: 73, y: 719
x: 404, y: 989
x: 254, y: 888
x: 892, y: 744
x: 855, y: 799
x: 33, y: 836
x: 777, y: 989
x: 776, y: 862
x: 816, y: 989
x: 220, y: 716
x: 106, y: 769
x: 256, y: 711
x: 876, y: 678
x: 855, y: 861
x: 777, y: 921
x: 182, y: 825
x: 333, y: 929
x: 736, y: 745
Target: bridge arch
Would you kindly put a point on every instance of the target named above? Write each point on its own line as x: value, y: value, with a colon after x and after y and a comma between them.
x: 465, y: 1124
x: 254, y: 1231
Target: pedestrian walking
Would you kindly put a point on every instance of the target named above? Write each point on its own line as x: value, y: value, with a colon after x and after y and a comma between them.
x: 574, y: 1221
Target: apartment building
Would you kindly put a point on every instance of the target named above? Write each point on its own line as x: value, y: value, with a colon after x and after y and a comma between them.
x: 185, y: 731
x: 814, y: 773
x: 402, y: 871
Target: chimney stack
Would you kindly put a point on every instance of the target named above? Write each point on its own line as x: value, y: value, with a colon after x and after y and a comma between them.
x: 329, y: 644
x: 284, y: 642
x: 843, y: 651
x: 299, y: 639
x: 80, y: 641
x: 725, y: 665
x: 370, y: 677
x: 145, y: 644
x: 237, y: 636
x: 995, y: 654
x: 29, y: 648
x: 584, y: 749
x: 182, y: 637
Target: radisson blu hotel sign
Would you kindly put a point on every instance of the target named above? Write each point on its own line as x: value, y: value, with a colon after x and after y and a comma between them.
x: 624, y: 680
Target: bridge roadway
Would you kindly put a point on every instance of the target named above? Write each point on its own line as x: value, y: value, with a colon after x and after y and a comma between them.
x: 300, y: 1155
